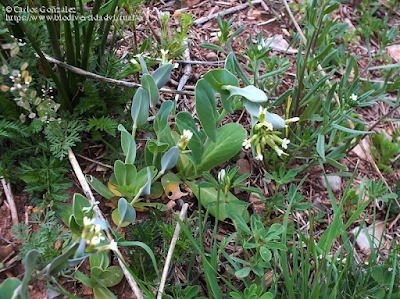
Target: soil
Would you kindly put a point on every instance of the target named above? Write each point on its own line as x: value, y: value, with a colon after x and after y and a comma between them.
x: 311, y: 189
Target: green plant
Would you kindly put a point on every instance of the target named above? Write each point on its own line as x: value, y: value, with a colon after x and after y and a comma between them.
x: 157, y: 234
x: 102, y: 276
x: 175, y: 43
x: 45, y: 180
x: 385, y: 151
x: 43, y: 239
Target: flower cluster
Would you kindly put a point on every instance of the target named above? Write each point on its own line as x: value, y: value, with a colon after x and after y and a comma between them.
x: 14, y: 46
x: 184, y: 140
x: 93, y: 235
x: 264, y: 135
x: 44, y: 107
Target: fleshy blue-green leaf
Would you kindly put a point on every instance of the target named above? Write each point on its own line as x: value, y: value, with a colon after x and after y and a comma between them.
x: 162, y: 74
x: 218, y: 78
x: 8, y: 287
x: 206, y: 108
x: 126, y: 212
x: 169, y: 159
x: 140, y: 107
x: 150, y: 86
x: 161, y: 121
x: 100, y: 187
x: 112, y: 276
x: 125, y: 174
x: 79, y: 202
x: 251, y: 93
x: 274, y: 119
x: 128, y: 145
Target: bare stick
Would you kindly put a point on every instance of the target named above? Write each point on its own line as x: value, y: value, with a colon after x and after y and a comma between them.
x: 187, y: 72
x: 109, y: 80
x: 175, y: 237
x: 97, y: 162
x: 10, y: 201
x: 88, y: 193
x: 225, y: 12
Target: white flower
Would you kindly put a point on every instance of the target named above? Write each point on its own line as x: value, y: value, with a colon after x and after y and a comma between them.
x: 259, y: 47
x: 221, y: 175
x: 246, y: 143
x: 133, y: 61
x: 353, y: 97
x: 267, y: 125
x: 97, y: 228
x: 291, y: 120
x: 187, y: 134
x: 164, y: 52
x: 95, y: 241
x: 113, y: 245
x: 262, y: 111
x: 87, y: 221
x: 176, y: 65
x: 279, y: 151
x: 219, y: 33
x: 285, y: 143
x: 259, y: 157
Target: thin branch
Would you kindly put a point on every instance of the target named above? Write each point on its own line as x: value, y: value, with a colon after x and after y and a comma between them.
x: 94, y: 161
x: 10, y: 200
x: 88, y: 193
x: 109, y: 80
x: 175, y: 237
x: 225, y: 12
x: 187, y: 72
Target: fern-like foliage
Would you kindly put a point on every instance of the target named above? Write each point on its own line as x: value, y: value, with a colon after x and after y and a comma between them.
x: 12, y: 129
x: 63, y: 135
x: 45, y: 180
x: 91, y: 102
x: 43, y: 239
x: 103, y: 124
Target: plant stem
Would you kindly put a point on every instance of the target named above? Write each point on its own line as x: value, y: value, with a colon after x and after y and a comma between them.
x: 54, y: 41
x: 89, y: 33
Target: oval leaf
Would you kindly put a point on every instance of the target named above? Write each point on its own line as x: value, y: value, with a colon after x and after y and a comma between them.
x: 242, y: 273
x: 126, y: 211
x: 265, y: 254
x: 229, y: 142
x: 219, y: 78
x: 169, y: 159
x: 140, y: 107
x: 128, y: 145
x: 251, y: 93
x: 150, y: 86
x: 162, y: 74
x: 274, y: 119
x: 206, y: 108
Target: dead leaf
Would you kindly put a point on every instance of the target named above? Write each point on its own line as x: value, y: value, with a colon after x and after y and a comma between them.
x: 258, y: 205
x: 394, y: 52
x: 362, y: 238
x: 278, y: 43
x: 170, y: 182
x: 360, y: 152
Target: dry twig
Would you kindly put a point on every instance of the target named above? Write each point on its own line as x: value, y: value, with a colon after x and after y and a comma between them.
x: 225, y: 12
x: 187, y: 72
x: 10, y: 200
x: 175, y: 237
x: 109, y: 80
x: 98, y: 213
